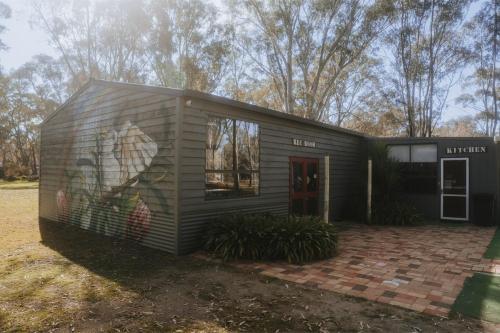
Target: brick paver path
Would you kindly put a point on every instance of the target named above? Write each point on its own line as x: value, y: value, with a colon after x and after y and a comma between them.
x: 419, y: 268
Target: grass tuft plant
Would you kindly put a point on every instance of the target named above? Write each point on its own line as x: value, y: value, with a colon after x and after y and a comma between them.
x: 268, y: 237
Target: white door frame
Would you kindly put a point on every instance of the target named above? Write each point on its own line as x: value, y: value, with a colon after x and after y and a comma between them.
x: 466, y: 195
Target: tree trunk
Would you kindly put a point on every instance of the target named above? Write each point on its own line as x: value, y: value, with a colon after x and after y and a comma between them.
x: 431, y: 74
x: 289, y: 75
x: 494, y: 86
x: 34, y: 165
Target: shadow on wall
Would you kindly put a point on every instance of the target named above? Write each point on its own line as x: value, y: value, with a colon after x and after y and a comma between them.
x: 119, y: 260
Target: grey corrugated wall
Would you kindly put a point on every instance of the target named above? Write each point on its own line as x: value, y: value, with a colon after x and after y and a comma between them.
x: 346, y: 173
x: 130, y: 124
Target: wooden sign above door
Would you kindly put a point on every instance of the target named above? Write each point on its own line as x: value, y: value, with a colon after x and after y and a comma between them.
x: 304, y: 143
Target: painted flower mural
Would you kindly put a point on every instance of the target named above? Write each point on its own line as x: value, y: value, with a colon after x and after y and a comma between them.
x: 105, y: 185
x: 62, y: 206
x: 138, y: 221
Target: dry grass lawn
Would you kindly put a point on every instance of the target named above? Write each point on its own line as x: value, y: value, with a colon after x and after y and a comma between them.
x: 18, y: 185
x: 74, y: 281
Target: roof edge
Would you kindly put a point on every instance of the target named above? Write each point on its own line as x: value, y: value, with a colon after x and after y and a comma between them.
x: 230, y: 102
x: 68, y: 101
x: 237, y: 104
x: 432, y: 138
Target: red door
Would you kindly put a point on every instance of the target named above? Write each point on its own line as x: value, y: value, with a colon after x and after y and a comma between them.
x: 304, y: 186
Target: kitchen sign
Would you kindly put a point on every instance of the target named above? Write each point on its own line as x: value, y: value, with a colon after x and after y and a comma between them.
x: 466, y: 150
x: 304, y: 143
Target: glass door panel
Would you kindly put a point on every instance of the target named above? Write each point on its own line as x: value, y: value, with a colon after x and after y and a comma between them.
x: 297, y: 177
x: 304, y: 186
x: 455, y: 188
x: 454, y: 177
x: 312, y: 176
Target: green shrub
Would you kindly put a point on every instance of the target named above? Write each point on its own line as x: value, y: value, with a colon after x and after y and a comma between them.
x: 264, y: 236
x: 388, y: 205
x: 11, y: 178
x: 395, y: 213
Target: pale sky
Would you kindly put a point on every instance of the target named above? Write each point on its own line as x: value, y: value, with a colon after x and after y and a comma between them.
x: 24, y: 42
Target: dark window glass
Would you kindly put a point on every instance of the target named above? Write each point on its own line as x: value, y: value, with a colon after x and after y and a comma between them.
x: 455, y: 177
x: 455, y: 207
x: 418, y: 167
x: 298, y: 181
x: 232, y: 158
x: 419, y: 177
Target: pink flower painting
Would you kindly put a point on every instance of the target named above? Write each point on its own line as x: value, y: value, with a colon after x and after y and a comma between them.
x: 62, y: 206
x: 138, y: 221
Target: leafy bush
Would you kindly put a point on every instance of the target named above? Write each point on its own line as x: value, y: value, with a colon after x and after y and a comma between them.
x: 11, y: 178
x: 389, y: 207
x: 264, y: 236
x: 395, y: 213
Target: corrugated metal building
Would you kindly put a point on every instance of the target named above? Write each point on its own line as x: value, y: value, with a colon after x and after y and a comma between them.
x: 442, y: 177
x: 155, y: 165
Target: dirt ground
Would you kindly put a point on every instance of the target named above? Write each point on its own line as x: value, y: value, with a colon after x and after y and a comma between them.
x: 77, y: 282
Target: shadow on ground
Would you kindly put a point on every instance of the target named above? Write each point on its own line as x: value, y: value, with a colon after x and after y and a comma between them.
x: 118, y: 260
x: 160, y: 292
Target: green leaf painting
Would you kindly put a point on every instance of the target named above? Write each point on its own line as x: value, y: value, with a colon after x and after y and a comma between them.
x: 105, y: 189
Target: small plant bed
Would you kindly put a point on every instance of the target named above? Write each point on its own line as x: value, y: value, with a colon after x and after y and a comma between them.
x: 268, y: 237
x: 480, y: 298
x: 389, y: 205
x: 493, y: 251
x: 396, y: 214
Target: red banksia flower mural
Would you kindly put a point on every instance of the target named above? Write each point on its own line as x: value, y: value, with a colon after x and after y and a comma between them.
x: 62, y: 206
x: 138, y: 221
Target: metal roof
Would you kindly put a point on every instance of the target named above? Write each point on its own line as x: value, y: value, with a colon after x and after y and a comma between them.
x: 206, y: 97
x: 241, y: 105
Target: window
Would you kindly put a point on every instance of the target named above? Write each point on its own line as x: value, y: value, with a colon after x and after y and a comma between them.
x: 232, y: 158
x: 417, y: 165
x: 400, y: 153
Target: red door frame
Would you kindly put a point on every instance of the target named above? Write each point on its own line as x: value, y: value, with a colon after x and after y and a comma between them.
x: 304, y: 194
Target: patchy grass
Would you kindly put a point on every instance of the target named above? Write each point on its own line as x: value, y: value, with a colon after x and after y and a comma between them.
x: 480, y: 298
x: 493, y: 251
x: 54, y: 278
x: 18, y: 185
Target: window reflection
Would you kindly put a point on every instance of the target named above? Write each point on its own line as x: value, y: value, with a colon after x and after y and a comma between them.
x: 219, y: 144
x: 418, y: 167
x: 232, y: 158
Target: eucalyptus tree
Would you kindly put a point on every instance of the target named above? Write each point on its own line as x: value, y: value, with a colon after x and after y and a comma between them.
x: 426, y: 52
x: 301, y: 49
x: 5, y: 13
x: 32, y: 91
x: 481, y: 97
x: 187, y: 48
x: 97, y: 39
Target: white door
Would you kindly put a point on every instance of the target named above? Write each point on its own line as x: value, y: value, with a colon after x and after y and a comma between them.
x: 455, y: 189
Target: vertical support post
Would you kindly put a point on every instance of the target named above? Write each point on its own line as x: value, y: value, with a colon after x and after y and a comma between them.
x: 326, y: 202
x: 180, y: 103
x: 369, y: 193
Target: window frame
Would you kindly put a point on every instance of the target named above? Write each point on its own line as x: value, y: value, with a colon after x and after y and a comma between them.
x: 234, y: 172
x: 411, y: 165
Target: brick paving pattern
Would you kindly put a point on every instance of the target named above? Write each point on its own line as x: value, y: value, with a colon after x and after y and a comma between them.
x: 419, y: 268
